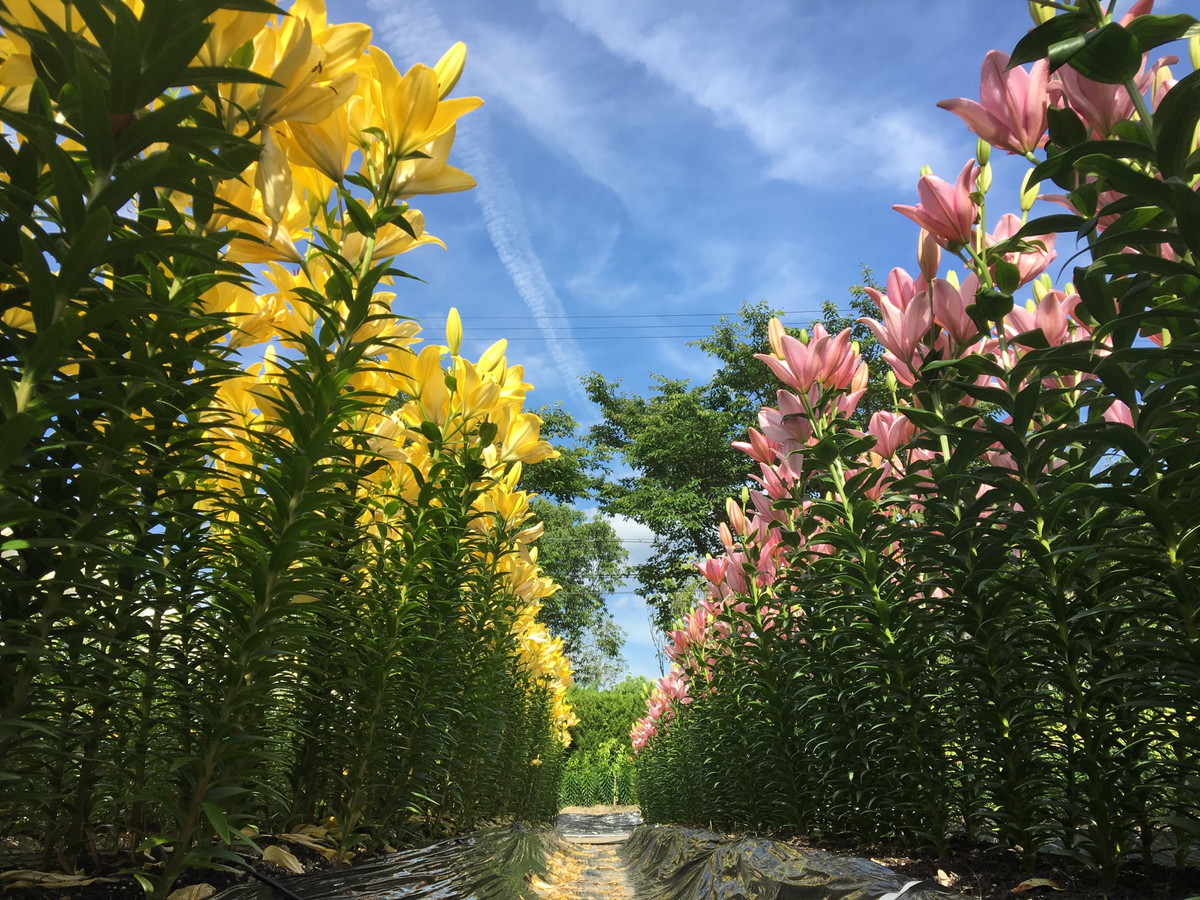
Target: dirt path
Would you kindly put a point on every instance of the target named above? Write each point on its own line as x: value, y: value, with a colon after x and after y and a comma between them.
x: 585, y: 872
x: 587, y: 867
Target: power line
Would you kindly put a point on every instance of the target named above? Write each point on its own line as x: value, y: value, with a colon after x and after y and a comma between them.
x: 706, y: 315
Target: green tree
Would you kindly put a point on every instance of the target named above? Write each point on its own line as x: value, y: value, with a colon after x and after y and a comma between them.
x: 585, y: 557
x: 676, y: 443
x: 606, y: 715
x: 582, y: 554
x: 599, y: 766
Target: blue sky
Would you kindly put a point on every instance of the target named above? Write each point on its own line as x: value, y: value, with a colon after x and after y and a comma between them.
x: 646, y: 165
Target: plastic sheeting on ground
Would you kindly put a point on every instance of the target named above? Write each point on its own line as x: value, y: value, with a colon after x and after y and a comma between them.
x: 493, y: 864
x: 685, y: 864
x: 611, y: 824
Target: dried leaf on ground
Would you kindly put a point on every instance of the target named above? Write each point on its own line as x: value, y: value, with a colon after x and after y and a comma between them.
x: 277, y: 856
x: 1034, y: 883
x: 192, y: 892
x: 31, y: 878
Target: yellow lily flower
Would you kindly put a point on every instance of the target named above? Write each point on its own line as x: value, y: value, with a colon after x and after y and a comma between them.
x: 432, y: 175
x: 313, y: 73
x: 325, y: 146
x: 390, y: 240
x: 407, y: 107
x: 232, y: 29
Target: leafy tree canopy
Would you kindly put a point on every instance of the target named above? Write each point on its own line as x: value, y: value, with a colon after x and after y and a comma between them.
x: 606, y: 716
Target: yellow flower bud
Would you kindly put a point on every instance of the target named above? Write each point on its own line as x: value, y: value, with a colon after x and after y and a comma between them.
x: 1029, y: 191
x: 449, y: 69
x: 1040, y: 13
x: 454, y: 332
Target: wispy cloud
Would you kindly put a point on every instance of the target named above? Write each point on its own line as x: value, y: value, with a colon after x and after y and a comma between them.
x: 814, y: 127
x: 412, y: 33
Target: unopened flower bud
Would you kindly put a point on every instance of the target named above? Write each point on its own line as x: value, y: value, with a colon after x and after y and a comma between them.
x: 984, y: 183
x: 1042, y: 285
x: 454, y: 332
x: 952, y: 277
x: 929, y: 255
x: 890, y: 380
x: 926, y: 170
x: 804, y: 336
x: 1029, y: 191
x: 1040, y: 13
x: 983, y: 152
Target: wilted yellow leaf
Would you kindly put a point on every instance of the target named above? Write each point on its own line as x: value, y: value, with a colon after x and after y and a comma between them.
x: 277, y: 856
x: 192, y: 892
x: 305, y: 841
x: 31, y: 878
x: 1031, y: 883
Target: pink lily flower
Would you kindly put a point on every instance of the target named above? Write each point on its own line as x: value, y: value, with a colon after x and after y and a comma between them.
x: 891, y: 431
x: 950, y: 309
x: 1050, y: 316
x: 1030, y: 263
x: 946, y: 211
x: 759, y: 448
x: 901, y: 288
x: 824, y: 360
x: 1119, y: 413
x: 903, y: 329
x: 790, y: 422
x: 1102, y: 106
x: 1011, y: 112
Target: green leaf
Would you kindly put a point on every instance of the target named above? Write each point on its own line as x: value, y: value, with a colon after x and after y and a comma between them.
x: 220, y: 75
x: 1155, y: 30
x: 218, y: 821
x: 1055, y: 166
x: 125, y: 56
x: 85, y: 251
x: 990, y: 306
x: 359, y: 217
x: 156, y: 125
x: 1175, y: 123
x: 1110, y: 55
x: 1065, y: 127
x: 1007, y: 275
x: 1036, y: 44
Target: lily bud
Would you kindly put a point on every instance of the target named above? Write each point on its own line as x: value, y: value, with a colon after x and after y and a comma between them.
x: 890, y: 380
x: 449, y: 69
x: 983, y: 152
x: 1042, y: 285
x: 804, y: 336
x: 1040, y: 13
x: 454, y: 332
x: 929, y: 255
x: 984, y: 183
x: 1029, y: 191
x: 952, y: 277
